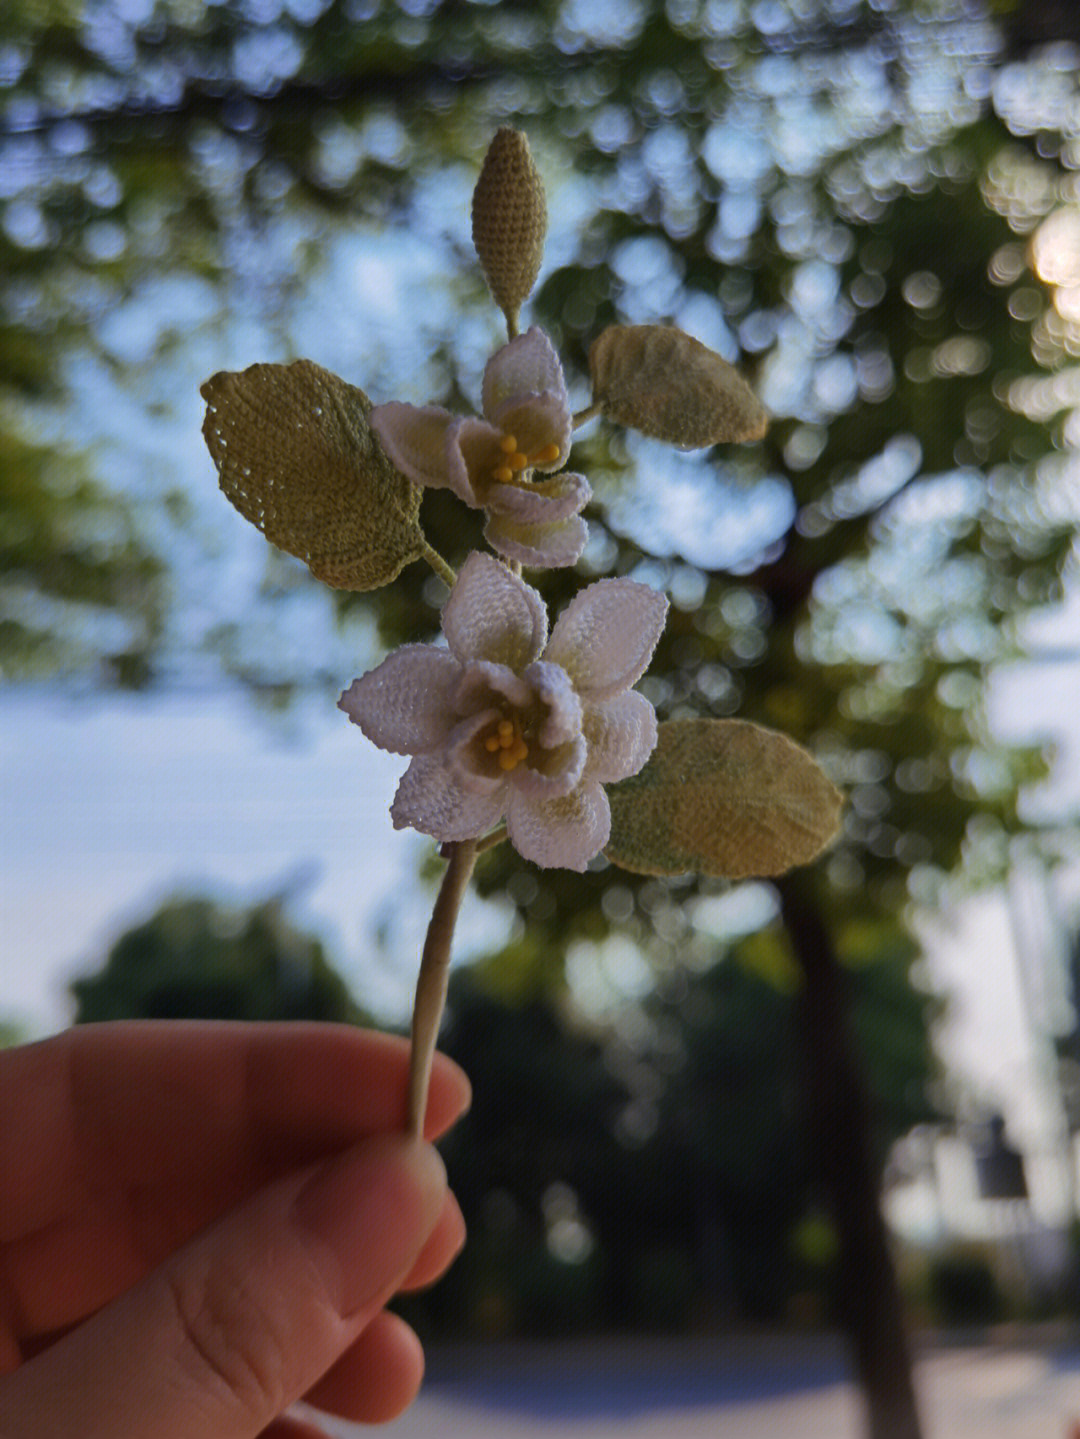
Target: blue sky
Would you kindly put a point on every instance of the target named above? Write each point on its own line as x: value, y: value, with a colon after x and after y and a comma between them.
x: 110, y: 804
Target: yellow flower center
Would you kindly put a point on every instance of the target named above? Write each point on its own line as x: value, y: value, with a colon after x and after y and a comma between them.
x: 505, y: 740
x: 515, y: 460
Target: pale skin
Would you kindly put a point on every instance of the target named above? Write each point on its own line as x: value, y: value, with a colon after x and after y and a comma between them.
x: 201, y: 1223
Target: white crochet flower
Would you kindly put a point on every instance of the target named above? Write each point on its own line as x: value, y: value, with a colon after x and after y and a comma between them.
x: 507, y: 722
x: 489, y: 462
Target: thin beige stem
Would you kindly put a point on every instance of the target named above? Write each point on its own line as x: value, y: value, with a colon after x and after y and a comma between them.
x: 434, y: 974
x: 511, y: 324
x: 489, y: 841
x: 590, y: 412
x: 438, y: 564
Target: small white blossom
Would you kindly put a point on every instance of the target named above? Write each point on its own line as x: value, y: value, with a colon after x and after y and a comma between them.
x: 489, y: 462
x: 506, y: 722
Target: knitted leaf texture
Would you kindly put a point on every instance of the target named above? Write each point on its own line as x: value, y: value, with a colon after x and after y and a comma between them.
x: 509, y: 220
x: 296, y: 456
x: 724, y: 798
x: 656, y: 379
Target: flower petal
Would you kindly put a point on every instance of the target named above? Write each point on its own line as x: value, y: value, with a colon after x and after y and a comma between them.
x: 542, y: 502
x: 549, y: 773
x: 481, y: 681
x: 472, y: 766
x: 605, y: 637
x: 431, y: 800
x: 621, y: 735
x: 537, y: 422
x: 472, y: 456
x: 528, y: 365
x: 493, y: 615
x: 551, y: 686
x: 403, y: 705
x: 415, y: 439
x: 560, y: 833
x: 550, y: 547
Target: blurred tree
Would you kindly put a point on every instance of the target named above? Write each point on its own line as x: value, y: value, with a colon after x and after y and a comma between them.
x: 12, y: 1032
x: 652, y: 1169
x: 542, y: 1117
x: 197, y: 959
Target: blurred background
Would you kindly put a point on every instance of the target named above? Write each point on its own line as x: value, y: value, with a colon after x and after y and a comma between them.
x: 845, y: 1103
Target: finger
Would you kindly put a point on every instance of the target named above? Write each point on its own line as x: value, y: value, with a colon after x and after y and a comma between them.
x: 143, y: 1101
x: 377, y: 1379
x: 132, y: 1137
x: 441, y: 1249
x: 293, y: 1426
x: 236, y: 1326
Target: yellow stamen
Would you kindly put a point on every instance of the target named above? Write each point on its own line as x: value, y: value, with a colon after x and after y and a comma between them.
x: 518, y: 461
x: 546, y: 456
x: 506, y: 742
x: 503, y: 473
x: 508, y: 444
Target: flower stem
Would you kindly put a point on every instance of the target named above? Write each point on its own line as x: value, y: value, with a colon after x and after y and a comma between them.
x: 434, y: 974
x: 588, y: 413
x: 438, y: 564
x: 489, y: 841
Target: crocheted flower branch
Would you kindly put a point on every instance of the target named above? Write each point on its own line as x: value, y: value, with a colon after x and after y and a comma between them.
x: 513, y: 733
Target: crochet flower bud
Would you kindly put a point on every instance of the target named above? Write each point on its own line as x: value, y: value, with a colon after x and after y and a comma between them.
x: 509, y: 220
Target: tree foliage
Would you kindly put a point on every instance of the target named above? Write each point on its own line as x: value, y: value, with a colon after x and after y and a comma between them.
x: 673, y: 1139
x: 197, y: 959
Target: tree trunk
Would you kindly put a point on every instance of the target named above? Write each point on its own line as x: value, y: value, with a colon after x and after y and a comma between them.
x: 837, y: 1114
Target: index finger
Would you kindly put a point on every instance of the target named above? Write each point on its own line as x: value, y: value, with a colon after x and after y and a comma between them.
x: 142, y: 1104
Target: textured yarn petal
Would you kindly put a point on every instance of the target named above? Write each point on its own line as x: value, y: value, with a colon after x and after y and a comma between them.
x: 538, y: 546
x: 551, y: 686
x: 403, y: 705
x: 415, y: 439
x: 542, y: 502
x: 605, y: 637
x: 431, y: 800
x: 560, y: 833
x: 468, y: 762
x: 480, y: 680
x: 528, y: 365
x: 621, y: 735
x: 473, y: 454
x: 537, y: 421
x: 548, y: 773
x: 493, y: 615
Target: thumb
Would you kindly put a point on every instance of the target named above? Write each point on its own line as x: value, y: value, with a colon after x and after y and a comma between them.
x: 244, y: 1319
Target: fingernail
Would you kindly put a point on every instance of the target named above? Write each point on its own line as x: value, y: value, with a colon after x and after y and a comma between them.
x: 366, y: 1214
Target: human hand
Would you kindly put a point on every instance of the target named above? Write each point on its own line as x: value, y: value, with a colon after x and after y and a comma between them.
x: 201, y: 1223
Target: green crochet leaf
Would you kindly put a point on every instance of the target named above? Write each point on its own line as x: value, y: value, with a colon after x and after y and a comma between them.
x: 296, y: 456
x: 724, y: 798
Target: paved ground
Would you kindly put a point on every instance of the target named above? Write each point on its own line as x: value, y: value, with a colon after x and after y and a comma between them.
x: 1024, y: 1386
